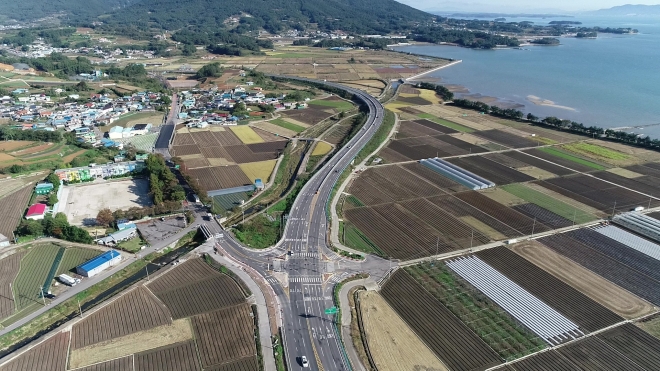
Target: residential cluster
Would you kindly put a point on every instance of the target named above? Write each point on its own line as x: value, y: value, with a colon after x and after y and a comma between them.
x: 40, y: 112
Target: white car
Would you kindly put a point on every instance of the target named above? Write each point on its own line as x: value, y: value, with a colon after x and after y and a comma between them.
x: 304, y: 361
x: 219, y: 235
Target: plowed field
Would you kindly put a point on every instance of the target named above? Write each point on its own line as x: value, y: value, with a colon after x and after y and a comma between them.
x: 136, y: 311
x: 47, y: 356
x: 8, y: 270
x: 454, y: 343
x: 225, y: 335
x: 13, y: 206
x: 120, y: 364
x: 178, y: 357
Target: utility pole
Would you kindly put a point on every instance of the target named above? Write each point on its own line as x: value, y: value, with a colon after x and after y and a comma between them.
x: 146, y: 269
x: 649, y: 203
x: 437, y: 245
x: 80, y: 309
x: 574, y: 215
x: 42, y: 295
x: 471, y: 239
x: 614, y: 208
x: 533, y: 225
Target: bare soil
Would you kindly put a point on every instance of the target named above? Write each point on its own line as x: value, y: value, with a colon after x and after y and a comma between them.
x: 594, y: 286
x: 394, y: 346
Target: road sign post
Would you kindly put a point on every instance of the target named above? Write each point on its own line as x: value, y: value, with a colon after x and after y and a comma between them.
x: 331, y: 310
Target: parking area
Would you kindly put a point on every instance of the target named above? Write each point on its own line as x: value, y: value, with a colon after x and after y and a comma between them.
x: 82, y: 202
x: 156, y: 230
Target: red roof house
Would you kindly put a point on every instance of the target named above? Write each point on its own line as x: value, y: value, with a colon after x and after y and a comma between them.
x: 36, y: 212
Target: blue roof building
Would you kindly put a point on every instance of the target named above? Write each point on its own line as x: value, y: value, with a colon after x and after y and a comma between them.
x: 99, y: 263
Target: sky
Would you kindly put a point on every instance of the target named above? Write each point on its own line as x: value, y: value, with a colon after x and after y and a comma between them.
x: 502, y: 6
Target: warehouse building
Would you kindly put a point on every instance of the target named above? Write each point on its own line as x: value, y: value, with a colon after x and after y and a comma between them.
x: 117, y: 237
x: 36, y: 212
x: 98, y: 264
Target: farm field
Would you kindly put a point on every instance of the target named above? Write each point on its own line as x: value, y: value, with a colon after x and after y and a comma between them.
x: 333, y: 102
x: 386, y: 331
x: 568, y: 301
x: 258, y: 170
x: 73, y: 257
x: 187, y: 294
x: 10, y: 185
x: 450, y: 339
x: 13, y: 207
x: 321, y: 148
x: 9, y: 267
x: 143, y: 143
x: 178, y: 357
x: 601, y: 154
x: 565, y: 159
x: 613, y: 297
x: 81, y: 203
x: 229, y: 201
x: 33, y: 274
x: 225, y: 335
x: 211, y: 155
x: 311, y: 115
x: 272, y: 127
x: 49, y: 355
x: 497, y: 328
x: 112, y: 322
x: 122, y: 346
x: 288, y: 125
x: 566, y: 211
x: 133, y: 118
x: 628, y: 268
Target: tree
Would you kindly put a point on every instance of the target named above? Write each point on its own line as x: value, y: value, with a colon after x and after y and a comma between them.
x: 31, y: 228
x: 52, y: 199
x: 55, y: 180
x: 105, y: 217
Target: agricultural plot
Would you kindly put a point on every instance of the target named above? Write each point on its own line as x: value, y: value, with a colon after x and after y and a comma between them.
x: 188, y: 298
x: 518, y: 222
x: 225, y: 335
x: 497, y: 328
x: 219, y: 177
x: 491, y: 170
x: 450, y: 339
x: 386, y: 331
x: 47, y: 356
x: 536, y: 162
x: 407, y: 180
x: 434, y: 178
x: 631, y: 240
x: 332, y: 102
x: 543, y: 320
x: 506, y: 138
x: 141, y: 142
x: 546, y: 361
x: 112, y: 320
x: 258, y: 170
x: 597, y: 193
x: 245, y: 134
x: 635, y: 344
x: 412, y: 129
x: 73, y: 257
x: 553, y: 205
x: 35, y: 269
x: 610, y: 295
x: 573, y: 304
x: 644, y: 184
x: 543, y: 216
x: 288, y: 125
x: 13, y: 206
x: 119, y: 364
x: 243, y: 364
x: 599, y: 153
x: 311, y: 115
x: 229, y: 201
x: 593, y: 354
x: 446, y: 123
x: 624, y: 276
x: 565, y: 159
x: 178, y: 357
x: 9, y: 267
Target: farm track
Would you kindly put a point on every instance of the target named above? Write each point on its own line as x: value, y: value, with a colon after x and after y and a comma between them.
x: 573, y: 304
x: 47, y: 356
x: 225, y: 335
x: 453, y: 342
x: 112, y: 321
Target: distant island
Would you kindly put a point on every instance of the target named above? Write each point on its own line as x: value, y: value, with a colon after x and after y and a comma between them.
x: 630, y: 9
x: 501, y: 15
x: 565, y: 22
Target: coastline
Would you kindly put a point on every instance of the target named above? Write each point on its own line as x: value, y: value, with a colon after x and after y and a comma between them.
x: 432, y: 70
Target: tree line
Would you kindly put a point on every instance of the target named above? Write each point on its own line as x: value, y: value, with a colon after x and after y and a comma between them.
x: 442, y: 91
x: 54, y: 226
x: 562, y: 124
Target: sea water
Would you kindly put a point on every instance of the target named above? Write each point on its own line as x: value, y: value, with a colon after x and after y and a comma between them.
x: 612, y: 81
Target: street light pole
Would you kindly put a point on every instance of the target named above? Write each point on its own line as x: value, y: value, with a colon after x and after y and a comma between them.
x: 42, y: 295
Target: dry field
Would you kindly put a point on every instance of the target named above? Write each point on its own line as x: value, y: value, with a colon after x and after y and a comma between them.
x: 258, y: 170
x: 84, y: 201
x: 393, y: 345
x: 112, y: 322
x: 13, y: 206
x: 11, y: 145
x: 594, y: 286
x: 122, y: 346
x: 177, y: 357
x: 47, y: 356
x: 9, y: 267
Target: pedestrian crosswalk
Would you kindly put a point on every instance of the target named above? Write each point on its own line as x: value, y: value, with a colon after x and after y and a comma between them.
x: 305, y: 279
x: 272, y: 280
x: 305, y: 255
x: 338, y: 278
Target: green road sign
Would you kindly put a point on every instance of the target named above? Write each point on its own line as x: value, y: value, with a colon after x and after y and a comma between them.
x: 177, y: 167
x: 331, y: 310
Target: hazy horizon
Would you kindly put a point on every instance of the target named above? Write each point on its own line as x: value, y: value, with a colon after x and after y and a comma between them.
x: 518, y: 6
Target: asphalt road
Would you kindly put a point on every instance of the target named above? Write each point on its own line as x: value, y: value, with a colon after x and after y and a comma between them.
x: 307, y: 330
x: 163, y: 142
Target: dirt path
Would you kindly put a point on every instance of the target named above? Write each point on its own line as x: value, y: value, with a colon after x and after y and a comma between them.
x: 394, y: 346
x: 594, y: 286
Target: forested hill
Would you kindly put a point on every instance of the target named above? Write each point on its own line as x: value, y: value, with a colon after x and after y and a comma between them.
x: 360, y: 16
x: 29, y: 10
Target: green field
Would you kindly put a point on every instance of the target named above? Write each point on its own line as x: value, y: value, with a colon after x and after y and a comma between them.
x: 354, y: 239
x: 570, y: 157
x: 287, y: 125
x: 35, y: 268
x: 338, y: 104
x: 490, y: 322
x: 446, y: 123
x: 354, y: 201
x: 292, y: 55
x: 74, y: 256
x: 541, y: 199
x: 589, y: 149
x: 133, y: 245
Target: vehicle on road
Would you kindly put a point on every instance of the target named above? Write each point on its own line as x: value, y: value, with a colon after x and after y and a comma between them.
x: 304, y: 361
x: 219, y: 235
x: 68, y: 280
